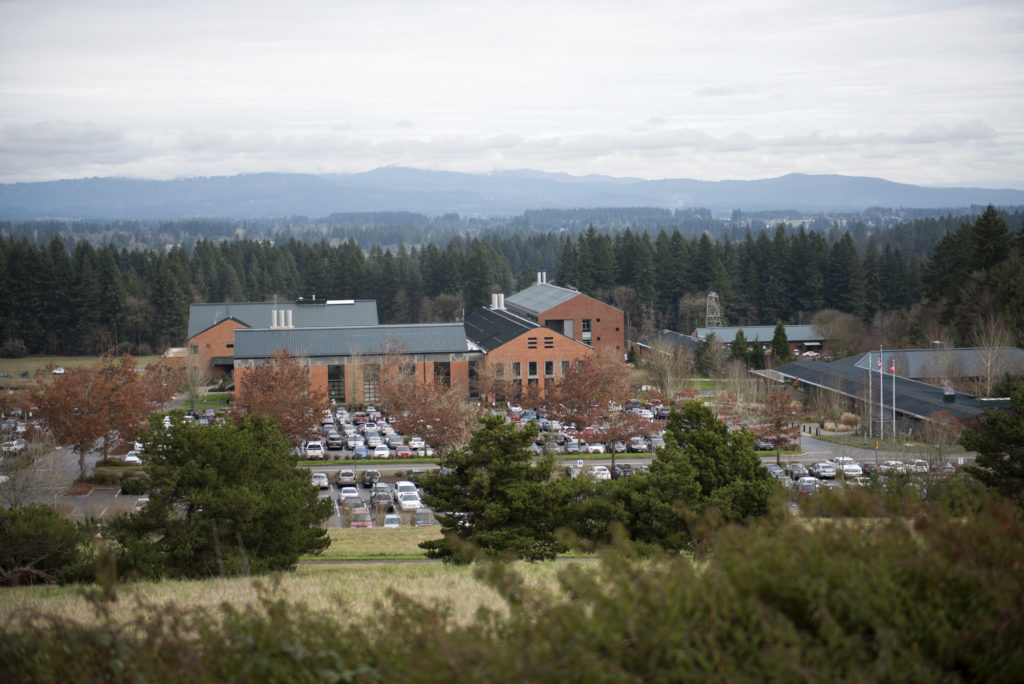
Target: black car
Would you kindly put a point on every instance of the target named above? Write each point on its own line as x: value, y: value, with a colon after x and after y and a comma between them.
x: 621, y: 470
x: 370, y: 478
x: 335, y: 441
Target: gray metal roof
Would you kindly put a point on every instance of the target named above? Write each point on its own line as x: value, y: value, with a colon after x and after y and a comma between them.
x: 426, y: 338
x: 913, y: 398
x: 539, y: 297
x: 491, y: 328
x: 673, y: 337
x: 761, y: 333
x: 962, y: 362
x: 309, y: 314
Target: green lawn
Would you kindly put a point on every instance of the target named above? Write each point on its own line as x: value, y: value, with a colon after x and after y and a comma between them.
x: 14, y: 368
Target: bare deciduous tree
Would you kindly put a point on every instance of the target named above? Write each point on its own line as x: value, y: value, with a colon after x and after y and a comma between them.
x: 668, y: 367
x: 993, y: 343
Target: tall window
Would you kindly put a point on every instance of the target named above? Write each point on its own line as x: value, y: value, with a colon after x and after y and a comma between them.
x: 585, y: 330
x: 443, y: 373
x: 549, y: 369
x: 531, y: 369
x: 371, y: 383
x: 517, y: 369
x: 336, y: 383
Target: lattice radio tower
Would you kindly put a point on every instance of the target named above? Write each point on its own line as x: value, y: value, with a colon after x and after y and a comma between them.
x: 714, y: 315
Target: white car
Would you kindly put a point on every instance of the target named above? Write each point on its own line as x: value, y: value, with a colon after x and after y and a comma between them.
x: 598, y: 472
x: 356, y: 441
x: 918, y: 465
x: 596, y: 448
x: 315, y: 449
x: 409, y: 501
x: 391, y: 520
x: 891, y: 467
x: 132, y: 458
x: 381, y: 451
x: 847, y: 466
x: 406, y: 487
x: 320, y: 481
x: 416, y: 443
x: 348, y: 492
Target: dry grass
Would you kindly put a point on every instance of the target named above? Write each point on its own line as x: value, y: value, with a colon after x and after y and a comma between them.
x: 378, y: 542
x: 15, y: 367
x: 353, y: 590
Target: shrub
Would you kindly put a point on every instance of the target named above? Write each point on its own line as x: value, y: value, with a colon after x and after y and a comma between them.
x: 135, y: 483
x: 849, y: 419
x: 104, y: 477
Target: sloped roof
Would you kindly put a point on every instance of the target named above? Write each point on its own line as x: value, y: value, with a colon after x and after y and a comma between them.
x: 539, y: 297
x: 329, y: 313
x: 491, y: 328
x: 961, y: 362
x: 425, y: 338
x: 673, y: 337
x: 761, y: 333
x: 913, y: 398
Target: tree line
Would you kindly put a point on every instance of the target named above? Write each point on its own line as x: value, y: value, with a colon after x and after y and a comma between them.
x: 63, y: 298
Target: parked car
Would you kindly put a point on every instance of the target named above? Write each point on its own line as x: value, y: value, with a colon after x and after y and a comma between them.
x: 621, y: 470
x: 406, y: 487
x: 361, y: 518
x: 595, y: 448
x: 369, y: 478
x: 350, y: 500
x: 391, y: 520
x: 381, y: 495
x: 345, y: 478
x: 847, y: 466
x: 918, y: 465
x: 869, y: 468
x: 657, y: 442
x: 335, y: 441
x: 13, y: 447
x: 892, y: 467
x: 403, y: 451
x: 394, y: 439
x: 381, y: 451
x: 619, y: 447
x: 416, y: 443
x: 361, y: 452
x: 408, y: 501
x: 348, y: 490
x: 355, y: 441
x: 314, y: 449
x: 761, y: 444
x: 808, y: 485
x: 374, y: 440
x: 598, y: 472
x: 132, y: 458
x: 572, y: 446
x: 823, y: 470
x: 796, y: 470
x: 775, y: 471
x: 320, y: 481
x: 424, y: 518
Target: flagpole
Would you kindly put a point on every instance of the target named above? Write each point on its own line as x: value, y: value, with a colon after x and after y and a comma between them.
x: 871, y: 399
x: 892, y: 371
x: 881, y: 396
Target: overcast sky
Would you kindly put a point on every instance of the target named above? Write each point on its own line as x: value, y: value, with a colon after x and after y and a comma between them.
x: 917, y: 91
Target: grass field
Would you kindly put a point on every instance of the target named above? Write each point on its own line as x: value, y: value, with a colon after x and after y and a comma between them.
x: 377, y: 543
x: 14, y: 368
x: 354, y: 589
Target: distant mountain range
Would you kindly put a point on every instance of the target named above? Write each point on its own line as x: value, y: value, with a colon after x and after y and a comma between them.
x: 439, y: 192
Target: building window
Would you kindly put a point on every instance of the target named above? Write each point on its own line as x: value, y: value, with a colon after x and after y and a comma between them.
x: 585, y: 330
x: 371, y: 384
x: 598, y: 320
x: 499, y: 370
x: 531, y: 369
x: 474, y: 380
x: 231, y: 346
x: 616, y: 329
x: 336, y: 383
x: 443, y: 373
x: 517, y: 369
x: 195, y: 348
x: 598, y: 339
x: 565, y: 367
x: 549, y: 369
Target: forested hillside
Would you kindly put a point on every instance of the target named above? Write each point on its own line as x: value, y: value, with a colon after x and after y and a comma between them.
x: 64, y: 294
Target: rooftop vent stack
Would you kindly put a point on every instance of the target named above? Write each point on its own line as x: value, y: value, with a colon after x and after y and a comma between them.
x: 938, y: 345
x: 501, y: 301
x: 494, y: 301
x: 288, y: 316
x: 948, y: 396
x: 273, y: 318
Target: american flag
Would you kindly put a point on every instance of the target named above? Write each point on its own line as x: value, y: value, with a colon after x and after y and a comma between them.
x: 892, y: 366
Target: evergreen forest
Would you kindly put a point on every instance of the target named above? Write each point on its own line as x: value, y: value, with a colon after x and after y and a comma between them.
x: 74, y: 288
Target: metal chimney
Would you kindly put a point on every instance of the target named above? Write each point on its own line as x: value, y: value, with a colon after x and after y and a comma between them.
x: 288, y: 315
x: 501, y: 301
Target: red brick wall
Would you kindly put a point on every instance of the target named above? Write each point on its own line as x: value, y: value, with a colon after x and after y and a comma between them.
x: 214, y: 342
x: 607, y: 324
x: 532, y: 346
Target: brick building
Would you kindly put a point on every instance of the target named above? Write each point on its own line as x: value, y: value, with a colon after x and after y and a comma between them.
x: 520, y: 353
x: 345, y: 362
x: 211, y: 327
x: 573, y: 314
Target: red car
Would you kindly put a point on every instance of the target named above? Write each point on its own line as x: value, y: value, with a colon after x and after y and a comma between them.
x: 361, y: 518
x: 403, y: 451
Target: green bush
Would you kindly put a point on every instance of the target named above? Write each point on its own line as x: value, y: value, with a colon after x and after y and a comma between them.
x: 134, y: 483
x: 931, y: 597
